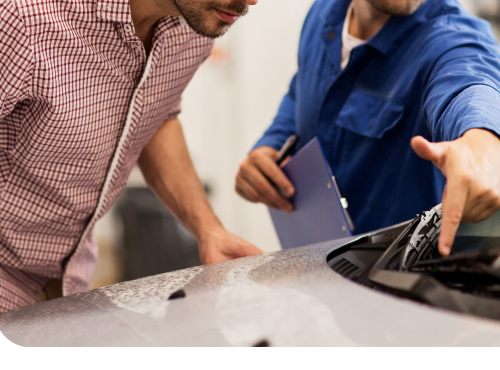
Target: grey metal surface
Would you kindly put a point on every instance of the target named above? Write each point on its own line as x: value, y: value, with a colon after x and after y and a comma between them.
x: 289, y: 298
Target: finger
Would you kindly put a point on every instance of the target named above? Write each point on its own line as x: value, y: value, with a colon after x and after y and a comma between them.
x: 248, y: 191
x: 267, y: 193
x: 285, y: 161
x: 474, y: 212
x: 244, y: 189
x: 484, y: 214
x: 252, y: 181
x: 211, y: 257
x: 274, y: 173
x: 454, y: 199
x: 475, y: 205
x: 236, y: 247
x: 249, y: 250
x: 434, y: 152
x: 479, y: 201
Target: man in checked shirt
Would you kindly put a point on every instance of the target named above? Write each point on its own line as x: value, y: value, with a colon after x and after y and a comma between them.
x: 87, y: 89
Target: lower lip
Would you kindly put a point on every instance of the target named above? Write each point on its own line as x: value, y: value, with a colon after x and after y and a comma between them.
x: 226, y: 17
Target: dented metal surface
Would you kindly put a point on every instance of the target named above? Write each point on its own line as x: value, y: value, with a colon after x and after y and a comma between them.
x: 286, y: 298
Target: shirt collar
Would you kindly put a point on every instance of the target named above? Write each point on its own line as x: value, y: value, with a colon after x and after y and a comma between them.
x: 395, y: 31
x: 119, y: 11
x: 114, y: 10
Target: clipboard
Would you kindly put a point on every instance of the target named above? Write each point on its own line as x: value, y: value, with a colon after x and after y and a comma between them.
x: 320, y: 212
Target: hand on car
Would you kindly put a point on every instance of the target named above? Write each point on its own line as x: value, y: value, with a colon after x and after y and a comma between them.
x: 253, y: 181
x: 220, y: 245
x: 471, y: 165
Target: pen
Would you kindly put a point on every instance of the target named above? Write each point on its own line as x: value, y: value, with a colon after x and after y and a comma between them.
x: 282, y: 154
x: 286, y: 148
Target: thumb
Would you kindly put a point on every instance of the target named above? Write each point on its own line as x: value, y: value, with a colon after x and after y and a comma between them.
x: 434, y: 152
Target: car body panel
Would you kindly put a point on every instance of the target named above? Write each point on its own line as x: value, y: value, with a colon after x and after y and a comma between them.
x: 284, y: 298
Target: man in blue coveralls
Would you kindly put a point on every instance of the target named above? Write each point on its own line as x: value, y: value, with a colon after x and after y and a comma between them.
x: 382, y: 83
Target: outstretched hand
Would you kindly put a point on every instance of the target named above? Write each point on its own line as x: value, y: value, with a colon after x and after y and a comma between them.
x: 471, y: 165
x: 220, y: 245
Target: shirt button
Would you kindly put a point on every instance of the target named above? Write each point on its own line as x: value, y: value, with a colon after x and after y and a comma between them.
x: 127, y: 28
x: 331, y: 35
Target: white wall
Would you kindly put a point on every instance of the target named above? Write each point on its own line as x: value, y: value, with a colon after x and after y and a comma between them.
x: 231, y: 102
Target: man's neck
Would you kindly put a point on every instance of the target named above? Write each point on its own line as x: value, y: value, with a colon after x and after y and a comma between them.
x: 145, y: 14
x: 366, y: 21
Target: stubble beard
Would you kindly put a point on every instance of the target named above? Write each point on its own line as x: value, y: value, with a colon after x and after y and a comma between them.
x: 397, y: 8
x: 196, y: 16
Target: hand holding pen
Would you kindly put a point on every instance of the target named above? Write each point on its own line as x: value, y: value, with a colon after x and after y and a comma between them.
x: 286, y: 149
x: 261, y: 179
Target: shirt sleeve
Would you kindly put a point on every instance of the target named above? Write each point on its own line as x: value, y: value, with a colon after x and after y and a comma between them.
x: 283, y: 124
x: 463, y: 89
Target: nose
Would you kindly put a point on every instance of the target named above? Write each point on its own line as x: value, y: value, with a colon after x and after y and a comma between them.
x: 251, y: 2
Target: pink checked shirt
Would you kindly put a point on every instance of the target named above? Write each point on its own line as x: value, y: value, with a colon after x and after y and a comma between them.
x: 79, y: 99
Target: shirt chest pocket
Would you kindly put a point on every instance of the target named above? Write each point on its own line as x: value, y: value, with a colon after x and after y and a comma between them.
x: 368, y: 115
x: 365, y: 152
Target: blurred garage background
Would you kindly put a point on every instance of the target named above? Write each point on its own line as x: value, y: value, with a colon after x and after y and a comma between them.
x: 230, y: 102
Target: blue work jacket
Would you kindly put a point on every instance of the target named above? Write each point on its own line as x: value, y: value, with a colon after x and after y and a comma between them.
x: 435, y: 73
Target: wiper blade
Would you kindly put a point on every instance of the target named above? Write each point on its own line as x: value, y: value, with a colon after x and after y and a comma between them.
x: 423, y: 239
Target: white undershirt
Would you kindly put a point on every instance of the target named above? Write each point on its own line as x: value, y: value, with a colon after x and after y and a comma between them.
x: 348, y: 42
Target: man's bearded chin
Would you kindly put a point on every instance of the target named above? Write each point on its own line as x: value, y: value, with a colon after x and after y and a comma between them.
x: 399, y: 8
x: 197, y: 16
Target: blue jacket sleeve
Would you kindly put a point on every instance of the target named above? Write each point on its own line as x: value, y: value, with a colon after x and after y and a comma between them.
x: 283, y: 124
x: 463, y: 88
